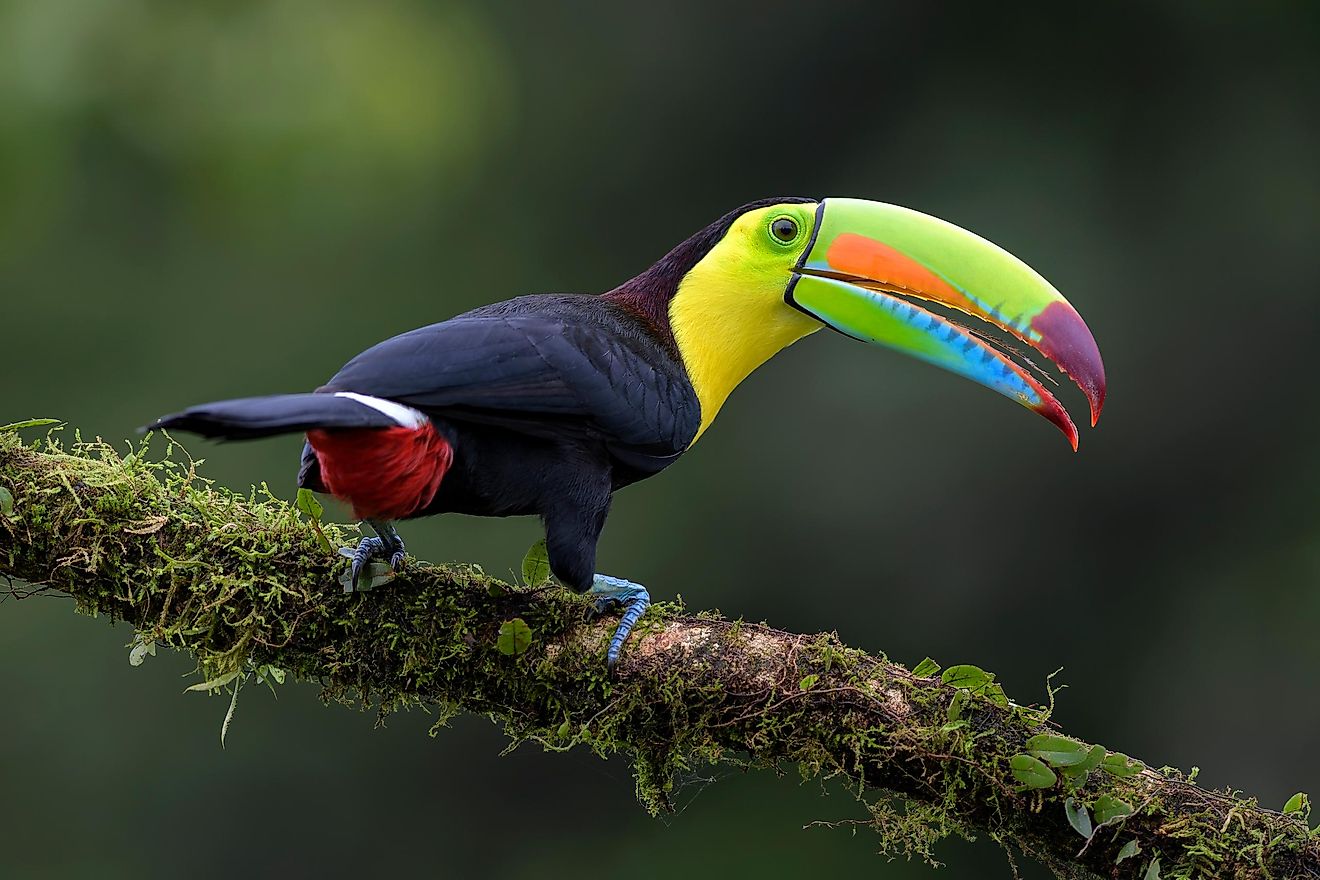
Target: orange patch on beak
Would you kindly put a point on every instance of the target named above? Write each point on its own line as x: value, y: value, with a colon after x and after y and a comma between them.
x: 869, y: 260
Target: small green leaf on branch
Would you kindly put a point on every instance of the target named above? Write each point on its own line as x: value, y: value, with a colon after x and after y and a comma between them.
x: 1032, y: 772
x: 307, y: 502
x: 975, y: 680
x: 515, y: 637
x: 994, y: 692
x: 373, y: 574
x: 956, y: 705
x: 536, y: 565
x: 1059, y: 751
x: 1109, y: 808
x: 1077, y: 774
x: 1120, y: 765
x: 967, y: 677
x: 309, y: 505
x: 927, y: 668
x: 1078, y: 817
x: 140, y: 650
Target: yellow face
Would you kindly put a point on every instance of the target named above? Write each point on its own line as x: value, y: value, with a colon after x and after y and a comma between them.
x: 729, y: 315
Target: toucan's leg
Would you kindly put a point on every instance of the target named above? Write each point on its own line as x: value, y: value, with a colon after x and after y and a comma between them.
x: 617, y: 593
x: 572, y: 529
x: 386, y: 543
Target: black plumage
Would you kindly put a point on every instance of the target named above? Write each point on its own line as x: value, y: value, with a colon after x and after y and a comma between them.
x: 550, y: 403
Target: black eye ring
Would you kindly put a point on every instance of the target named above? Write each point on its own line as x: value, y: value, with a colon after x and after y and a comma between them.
x: 784, y: 229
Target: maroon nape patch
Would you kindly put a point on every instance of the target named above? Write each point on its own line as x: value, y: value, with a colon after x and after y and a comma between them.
x: 1066, y: 340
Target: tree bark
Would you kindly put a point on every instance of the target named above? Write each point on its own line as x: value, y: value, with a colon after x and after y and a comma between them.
x: 246, y: 584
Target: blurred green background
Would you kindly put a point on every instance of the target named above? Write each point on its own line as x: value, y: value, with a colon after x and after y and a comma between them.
x: 205, y: 200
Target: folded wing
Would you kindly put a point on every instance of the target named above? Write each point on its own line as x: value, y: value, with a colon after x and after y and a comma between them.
x: 538, y: 369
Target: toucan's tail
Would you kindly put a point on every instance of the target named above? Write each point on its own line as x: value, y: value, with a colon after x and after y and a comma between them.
x: 251, y: 417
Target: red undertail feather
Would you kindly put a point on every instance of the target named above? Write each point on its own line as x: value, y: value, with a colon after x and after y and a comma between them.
x: 383, y: 473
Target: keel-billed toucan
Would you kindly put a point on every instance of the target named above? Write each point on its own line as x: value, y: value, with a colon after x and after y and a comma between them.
x: 546, y: 404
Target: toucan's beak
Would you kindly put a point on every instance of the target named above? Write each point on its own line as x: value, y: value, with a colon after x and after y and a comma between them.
x: 866, y: 260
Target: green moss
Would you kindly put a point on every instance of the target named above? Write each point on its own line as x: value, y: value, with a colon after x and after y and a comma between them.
x: 243, y: 584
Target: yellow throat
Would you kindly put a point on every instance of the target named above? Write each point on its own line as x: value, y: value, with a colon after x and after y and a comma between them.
x: 729, y: 316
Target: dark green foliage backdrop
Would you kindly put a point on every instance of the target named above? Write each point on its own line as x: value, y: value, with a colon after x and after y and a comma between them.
x: 200, y: 201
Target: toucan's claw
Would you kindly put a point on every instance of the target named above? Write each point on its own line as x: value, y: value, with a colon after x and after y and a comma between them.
x: 385, y: 543
x: 619, y: 593
x: 366, y: 549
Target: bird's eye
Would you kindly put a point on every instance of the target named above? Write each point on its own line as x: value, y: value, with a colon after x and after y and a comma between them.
x: 784, y: 229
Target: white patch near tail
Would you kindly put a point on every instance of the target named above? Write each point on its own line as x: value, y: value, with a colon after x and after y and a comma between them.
x: 405, y: 416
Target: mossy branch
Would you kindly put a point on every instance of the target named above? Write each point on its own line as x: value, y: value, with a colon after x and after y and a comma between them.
x: 245, y: 583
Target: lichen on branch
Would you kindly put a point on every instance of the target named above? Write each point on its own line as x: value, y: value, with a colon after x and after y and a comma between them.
x: 246, y: 585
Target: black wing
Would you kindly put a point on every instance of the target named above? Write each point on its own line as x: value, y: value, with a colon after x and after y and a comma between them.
x: 543, y: 365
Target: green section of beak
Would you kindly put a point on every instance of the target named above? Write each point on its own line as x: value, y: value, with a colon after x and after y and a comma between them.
x: 865, y: 256
x: 881, y: 319
x: 930, y: 258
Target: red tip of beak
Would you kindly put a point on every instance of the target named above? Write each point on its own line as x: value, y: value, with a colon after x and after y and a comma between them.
x: 1066, y: 340
x: 1050, y: 408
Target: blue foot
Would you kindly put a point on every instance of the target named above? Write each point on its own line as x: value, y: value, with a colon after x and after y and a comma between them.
x: 613, y: 593
x: 387, y: 544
